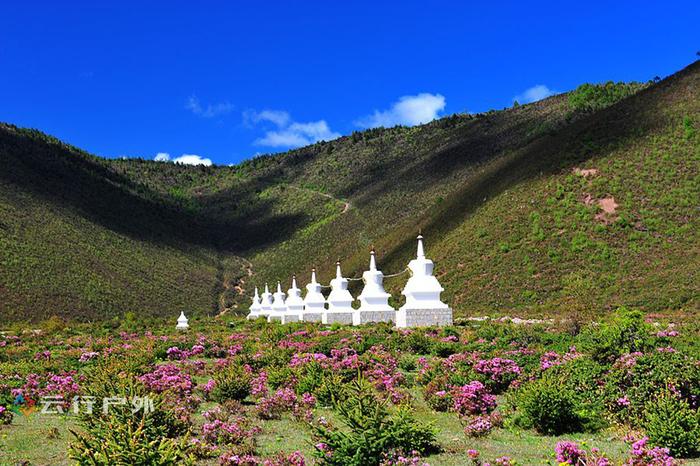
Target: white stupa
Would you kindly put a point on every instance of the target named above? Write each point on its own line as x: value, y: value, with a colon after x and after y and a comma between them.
x: 255, y: 307
x: 339, y: 300
x: 374, y: 301
x: 279, y: 308
x: 295, y: 305
x: 314, y: 302
x: 182, y: 322
x: 265, y: 302
x: 423, y: 306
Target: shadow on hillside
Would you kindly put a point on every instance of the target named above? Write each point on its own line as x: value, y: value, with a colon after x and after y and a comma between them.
x: 91, y: 189
x: 591, y: 137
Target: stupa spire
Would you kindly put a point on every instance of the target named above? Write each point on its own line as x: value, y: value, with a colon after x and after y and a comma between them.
x: 314, y: 302
x: 423, y: 305
x: 374, y: 301
x: 279, y: 307
x: 295, y: 305
x: 339, y: 300
x: 255, y: 306
x: 182, y: 321
x: 266, y: 301
x: 420, y: 253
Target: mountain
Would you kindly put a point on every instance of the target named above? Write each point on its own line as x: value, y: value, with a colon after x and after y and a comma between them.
x: 577, y: 203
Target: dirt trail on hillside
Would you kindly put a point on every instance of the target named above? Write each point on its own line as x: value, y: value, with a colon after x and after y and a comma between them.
x: 238, y: 288
x: 346, y: 204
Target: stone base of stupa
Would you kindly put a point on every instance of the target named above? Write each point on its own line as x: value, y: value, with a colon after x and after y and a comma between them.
x: 423, y: 317
x: 311, y: 317
x: 365, y: 317
x: 288, y: 318
x: 340, y: 317
x: 275, y: 317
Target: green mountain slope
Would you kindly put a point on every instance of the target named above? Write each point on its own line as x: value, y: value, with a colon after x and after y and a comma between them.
x: 511, y: 203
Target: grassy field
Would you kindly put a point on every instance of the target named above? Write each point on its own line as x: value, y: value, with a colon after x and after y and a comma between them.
x: 627, y: 356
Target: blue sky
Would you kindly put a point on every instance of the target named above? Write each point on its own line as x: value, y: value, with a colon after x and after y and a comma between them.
x: 225, y: 80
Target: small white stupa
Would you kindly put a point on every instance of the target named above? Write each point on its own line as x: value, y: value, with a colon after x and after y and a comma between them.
x: 423, y: 306
x: 279, y: 308
x: 374, y: 301
x: 265, y: 302
x: 182, y: 322
x: 255, y: 307
x: 339, y: 300
x: 295, y: 305
x: 314, y: 302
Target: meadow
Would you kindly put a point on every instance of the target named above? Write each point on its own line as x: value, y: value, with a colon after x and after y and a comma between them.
x: 622, y: 390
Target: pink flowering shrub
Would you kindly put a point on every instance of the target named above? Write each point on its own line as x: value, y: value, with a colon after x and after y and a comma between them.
x: 272, y: 407
x: 5, y: 416
x: 499, y: 372
x: 235, y: 459
x: 644, y: 455
x: 168, y: 377
x: 258, y: 385
x: 438, y: 396
x: 478, y: 426
x: 413, y: 459
x: 88, y: 356
x: 472, y: 398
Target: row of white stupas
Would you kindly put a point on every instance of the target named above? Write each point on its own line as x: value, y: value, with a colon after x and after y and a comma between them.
x: 423, y: 305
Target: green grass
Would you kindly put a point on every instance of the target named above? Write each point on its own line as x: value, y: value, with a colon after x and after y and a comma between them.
x: 34, y: 439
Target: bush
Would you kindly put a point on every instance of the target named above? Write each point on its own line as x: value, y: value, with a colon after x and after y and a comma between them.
x: 5, y: 416
x: 550, y: 408
x: 110, y: 442
x: 671, y: 423
x: 407, y: 362
x: 370, y: 430
x: 279, y: 376
x: 232, y: 383
x: 592, y: 97
x: 121, y: 436
x: 626, y: 333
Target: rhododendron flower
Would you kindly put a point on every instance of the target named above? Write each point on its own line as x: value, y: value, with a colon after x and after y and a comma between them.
x: 472, y: 398
x: 570, y: 453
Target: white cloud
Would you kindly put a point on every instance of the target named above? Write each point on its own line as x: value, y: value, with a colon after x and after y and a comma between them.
x: 409, y: 110
x: 288, y: 133
x: 534, y: 94
x: 278, y: 117
x: 192, y: 159
x: 184, y: 159
x: 211, y: 110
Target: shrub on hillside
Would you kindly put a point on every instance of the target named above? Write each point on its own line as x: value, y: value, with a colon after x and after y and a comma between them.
x: 370, y: 432
x: 671, y: 423
x: 231, y: 383
x: 636, y: 378
x: 552, y: 409
x: 625, y: 333
x: 124, y: 436
x: 592, y: 97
